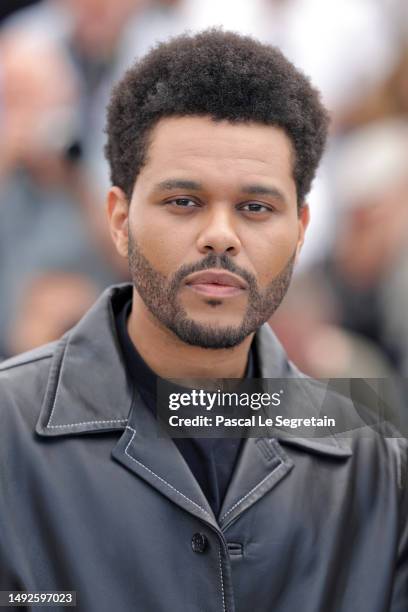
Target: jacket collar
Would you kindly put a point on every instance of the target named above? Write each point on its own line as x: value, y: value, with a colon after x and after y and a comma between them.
x: 88, y: 390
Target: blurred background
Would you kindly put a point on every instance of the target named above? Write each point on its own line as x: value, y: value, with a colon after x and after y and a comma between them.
x: 346, y: 314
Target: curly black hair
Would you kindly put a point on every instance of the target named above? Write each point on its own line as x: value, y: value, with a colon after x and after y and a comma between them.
x: 222, y: 75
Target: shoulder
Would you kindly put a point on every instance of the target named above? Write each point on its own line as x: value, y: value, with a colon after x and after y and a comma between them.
x: 23, y: 381
x: 365, y: 420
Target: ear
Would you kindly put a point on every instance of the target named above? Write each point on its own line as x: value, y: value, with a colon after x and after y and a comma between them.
x: 303, y: 222
x: 117, y: 209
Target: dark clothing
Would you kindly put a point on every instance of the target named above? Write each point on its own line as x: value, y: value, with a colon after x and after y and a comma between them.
x: 211, y: 460
x: 91, y: 500
x: 11, y: 6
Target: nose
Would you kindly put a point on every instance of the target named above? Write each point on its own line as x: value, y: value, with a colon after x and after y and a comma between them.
x: 218, y: 234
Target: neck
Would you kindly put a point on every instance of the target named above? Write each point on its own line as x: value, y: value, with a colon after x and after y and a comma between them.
x: 169, y: 357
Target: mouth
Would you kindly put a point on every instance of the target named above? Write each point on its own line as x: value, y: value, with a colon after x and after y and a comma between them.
x: 216, y: 283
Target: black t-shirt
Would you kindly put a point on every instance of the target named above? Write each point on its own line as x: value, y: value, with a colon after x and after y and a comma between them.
x: 211, y: 460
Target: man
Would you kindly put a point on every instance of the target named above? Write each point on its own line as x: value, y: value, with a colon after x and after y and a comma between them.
x: 213, y: 141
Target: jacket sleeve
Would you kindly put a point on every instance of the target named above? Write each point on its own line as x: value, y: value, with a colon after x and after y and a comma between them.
x: 399, y: 600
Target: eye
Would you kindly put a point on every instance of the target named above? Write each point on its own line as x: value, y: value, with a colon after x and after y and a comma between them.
x: 182, y: 203
x: 256, y: 207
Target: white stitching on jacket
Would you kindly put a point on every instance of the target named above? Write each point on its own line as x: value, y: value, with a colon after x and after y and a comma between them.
x: 88, y: 423
x: 82, y: 422
x: 222, y: 581
x: 157, y: 476
x: 251, y: 491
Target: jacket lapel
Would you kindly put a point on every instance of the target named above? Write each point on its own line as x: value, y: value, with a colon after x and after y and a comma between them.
x: 87, y: 388
x: 150, y: 453
x: 263, y: 462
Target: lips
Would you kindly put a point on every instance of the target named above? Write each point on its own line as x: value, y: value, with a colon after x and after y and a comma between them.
x: 220, y: 284
x: 216, y: 278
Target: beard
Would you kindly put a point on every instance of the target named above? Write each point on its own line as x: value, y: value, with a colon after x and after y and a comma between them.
x: 160, y: 296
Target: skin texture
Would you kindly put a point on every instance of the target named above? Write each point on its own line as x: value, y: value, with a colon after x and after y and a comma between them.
x: 238, y: 213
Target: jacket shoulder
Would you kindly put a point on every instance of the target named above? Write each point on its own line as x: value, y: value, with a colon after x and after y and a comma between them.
x: 23, y: 382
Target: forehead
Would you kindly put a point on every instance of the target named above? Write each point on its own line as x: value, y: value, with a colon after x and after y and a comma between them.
x: 200, y: 144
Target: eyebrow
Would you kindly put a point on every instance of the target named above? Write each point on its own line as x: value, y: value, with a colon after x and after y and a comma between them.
x: 170, y: 184
x: 252, y: 189
x: 257, y: 189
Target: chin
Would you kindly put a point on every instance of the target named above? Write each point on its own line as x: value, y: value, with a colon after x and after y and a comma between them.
x: 216, y: 319
x: 206, y: 334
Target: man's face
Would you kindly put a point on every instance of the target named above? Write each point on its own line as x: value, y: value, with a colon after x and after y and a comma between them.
x: 219, y: 198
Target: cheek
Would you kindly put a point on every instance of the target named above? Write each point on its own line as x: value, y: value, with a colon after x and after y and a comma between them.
x: 162, y: 247
x: 271, y: 253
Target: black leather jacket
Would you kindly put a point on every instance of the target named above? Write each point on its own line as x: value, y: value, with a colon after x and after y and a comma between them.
x: 91, y: 501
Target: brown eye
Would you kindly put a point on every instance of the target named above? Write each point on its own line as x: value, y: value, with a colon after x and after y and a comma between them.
x: 182, y: 203
x: 256, y: 207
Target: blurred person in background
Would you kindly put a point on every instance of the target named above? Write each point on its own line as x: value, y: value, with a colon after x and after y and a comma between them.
x: 53, y: 302
x: 345, y: 46
x: 308, y: 326
x: 97, y: 38
x: 388, y: 99
x: 47, y: 216
x: 368, y: 269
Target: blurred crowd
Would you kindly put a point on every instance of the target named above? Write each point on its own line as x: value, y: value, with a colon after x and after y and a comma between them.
x: 346, y: 314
